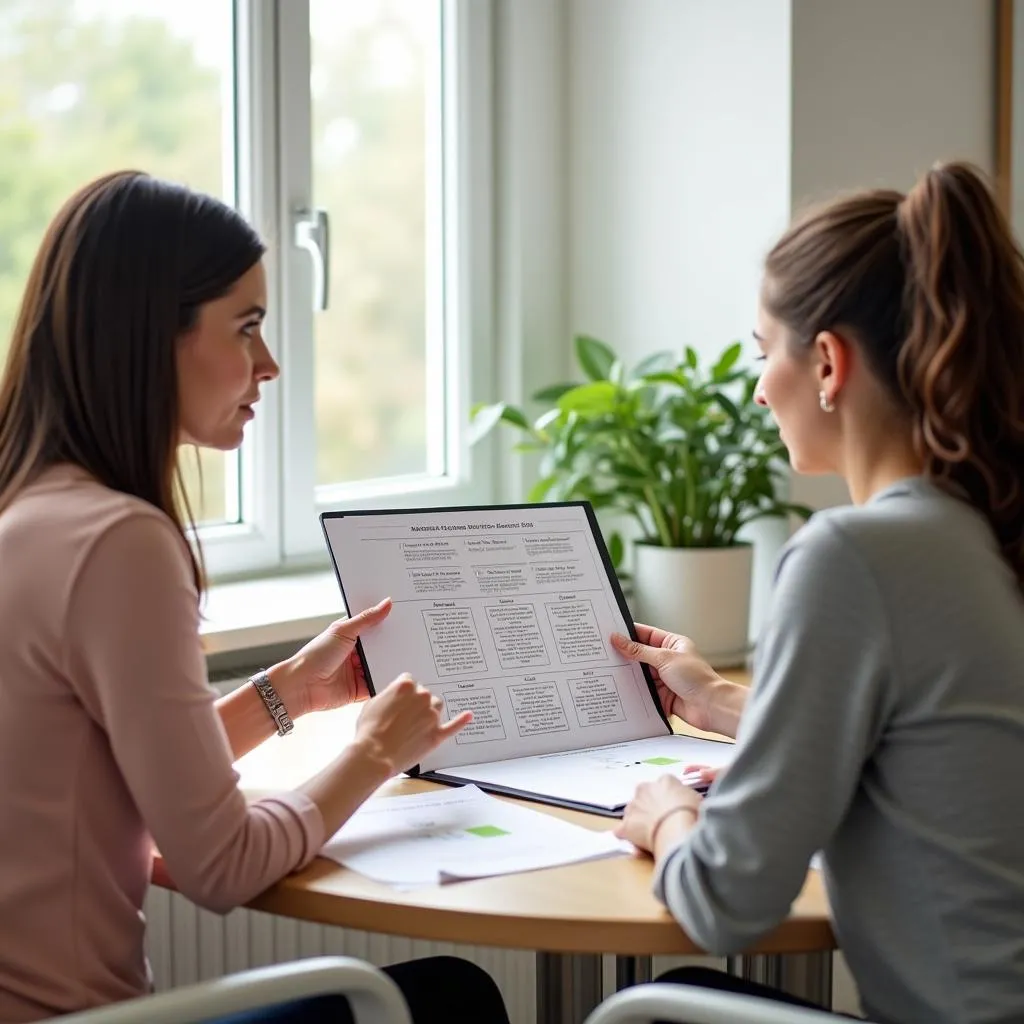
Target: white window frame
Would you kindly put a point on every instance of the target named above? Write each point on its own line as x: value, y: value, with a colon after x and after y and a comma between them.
x: 280, y: 502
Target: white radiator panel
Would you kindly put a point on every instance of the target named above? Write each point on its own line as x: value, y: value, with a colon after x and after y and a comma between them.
x: 187, y: 945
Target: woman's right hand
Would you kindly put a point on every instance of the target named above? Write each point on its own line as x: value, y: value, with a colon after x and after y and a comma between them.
x: 396, y: 730
x: 687, y: 684
x: 402, y: 724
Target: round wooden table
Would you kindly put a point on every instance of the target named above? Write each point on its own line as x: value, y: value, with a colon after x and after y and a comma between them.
x: 570, y: 915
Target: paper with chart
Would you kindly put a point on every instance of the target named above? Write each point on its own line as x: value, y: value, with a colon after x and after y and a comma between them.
x: 508, y: 612
x: 605, y: 777
x: 457, y: 834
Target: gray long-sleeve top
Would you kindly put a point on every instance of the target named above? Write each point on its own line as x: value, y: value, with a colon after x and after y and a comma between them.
x: 885, y: 727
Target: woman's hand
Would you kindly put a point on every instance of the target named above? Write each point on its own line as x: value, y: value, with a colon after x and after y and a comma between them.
x: 396, y: 730
x: 688, y: 686
x: 402, y: 724
x: 684, y: 679
x: 327, y: 672
x: 707, y: 773
x: 659, y: 815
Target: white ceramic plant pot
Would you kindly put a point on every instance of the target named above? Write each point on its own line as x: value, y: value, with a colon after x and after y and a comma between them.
x: 703, y: 593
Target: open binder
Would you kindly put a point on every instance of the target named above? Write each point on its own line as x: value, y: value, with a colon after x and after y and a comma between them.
x: 507, y: 610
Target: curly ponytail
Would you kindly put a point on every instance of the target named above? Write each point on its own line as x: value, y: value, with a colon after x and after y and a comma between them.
x: 961, y: 366
x: 931, y: 286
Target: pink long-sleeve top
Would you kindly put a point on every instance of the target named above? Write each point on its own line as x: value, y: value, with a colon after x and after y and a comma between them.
x: 109, y: 741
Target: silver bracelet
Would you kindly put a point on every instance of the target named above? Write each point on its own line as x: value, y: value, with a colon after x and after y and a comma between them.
x: 272, y: 702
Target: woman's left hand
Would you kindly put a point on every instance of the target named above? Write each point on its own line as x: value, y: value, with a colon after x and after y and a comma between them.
x: 327, y: 672
x: 660, y: 811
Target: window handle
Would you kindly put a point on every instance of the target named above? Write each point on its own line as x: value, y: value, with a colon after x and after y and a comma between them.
x: 312, y: 233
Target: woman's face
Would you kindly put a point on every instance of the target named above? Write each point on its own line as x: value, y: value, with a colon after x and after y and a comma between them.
x: 222, y: 361
x: 789, y: 387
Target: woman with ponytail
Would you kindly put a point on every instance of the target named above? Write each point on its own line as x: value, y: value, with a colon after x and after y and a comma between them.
x: 885, y: 725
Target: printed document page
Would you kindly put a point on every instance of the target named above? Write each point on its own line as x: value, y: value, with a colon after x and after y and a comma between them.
x: 427, y: 838
x: 506, y: 612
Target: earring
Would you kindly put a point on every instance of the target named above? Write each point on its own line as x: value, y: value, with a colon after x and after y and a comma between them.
x: 826, y: 405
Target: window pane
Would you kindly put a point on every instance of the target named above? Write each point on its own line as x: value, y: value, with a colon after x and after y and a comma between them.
x: 89, y: 86
x: 375, y: 83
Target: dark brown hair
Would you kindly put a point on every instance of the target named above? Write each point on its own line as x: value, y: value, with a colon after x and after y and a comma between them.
x: 91, y: 375
x: 930, y: 286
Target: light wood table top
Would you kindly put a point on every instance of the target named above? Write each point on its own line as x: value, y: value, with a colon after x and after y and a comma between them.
x: 602, y: 906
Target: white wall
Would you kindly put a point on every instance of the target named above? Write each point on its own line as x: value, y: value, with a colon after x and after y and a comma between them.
x: 678, y: 119
x: 1016, y: 170
x: 694, y: 128
x: 881, y: 90
x: 531, y: 236
x: 884, y: 88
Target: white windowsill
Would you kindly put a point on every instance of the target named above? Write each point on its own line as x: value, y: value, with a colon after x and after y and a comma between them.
x: 260, y: 612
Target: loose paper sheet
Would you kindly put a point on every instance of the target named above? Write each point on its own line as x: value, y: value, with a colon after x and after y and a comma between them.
x: 456, y: 834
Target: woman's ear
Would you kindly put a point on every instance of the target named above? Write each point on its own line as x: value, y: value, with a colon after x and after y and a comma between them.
x: 832, y: 358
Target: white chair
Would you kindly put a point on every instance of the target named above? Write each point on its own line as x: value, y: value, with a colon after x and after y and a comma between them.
x: 689, y: 1004
x: 373, y: 996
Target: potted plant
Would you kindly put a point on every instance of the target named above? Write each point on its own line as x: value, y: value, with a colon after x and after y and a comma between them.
x: 682, y: 451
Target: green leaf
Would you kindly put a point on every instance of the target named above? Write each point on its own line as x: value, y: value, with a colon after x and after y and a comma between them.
x: 616, y: 549
x: 672, y: 434
x: 590, y: 398
x: 600, y: 501
x: 539, y: 491
x: 692, y: 360
x: 510, y: 414
x: 488, y: 416
x: 731, y: 378
x: 728, y: 405
x: 629, y: 472
x: 542, y: 422
x: 594, y: 356
x: 552, y: 393
x: 572, y: 486
x: 680, y: 380
x: 727, y: 361
x: 484, y: 420
x: 725, y: 450
x: 653, y: 364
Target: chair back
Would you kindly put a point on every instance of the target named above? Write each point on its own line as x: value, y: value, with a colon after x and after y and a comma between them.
x: 373, y: 996
x: 689, y: 1004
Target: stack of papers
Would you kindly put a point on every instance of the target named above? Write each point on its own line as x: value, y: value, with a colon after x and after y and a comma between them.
x: 458, y: 834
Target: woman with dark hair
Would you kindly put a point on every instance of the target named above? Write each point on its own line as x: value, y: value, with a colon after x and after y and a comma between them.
x: 140, y: 329
x: 885, y: 724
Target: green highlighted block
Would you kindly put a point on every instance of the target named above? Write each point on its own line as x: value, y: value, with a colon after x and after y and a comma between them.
x: 487, y: 831
x: 662, y: 760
